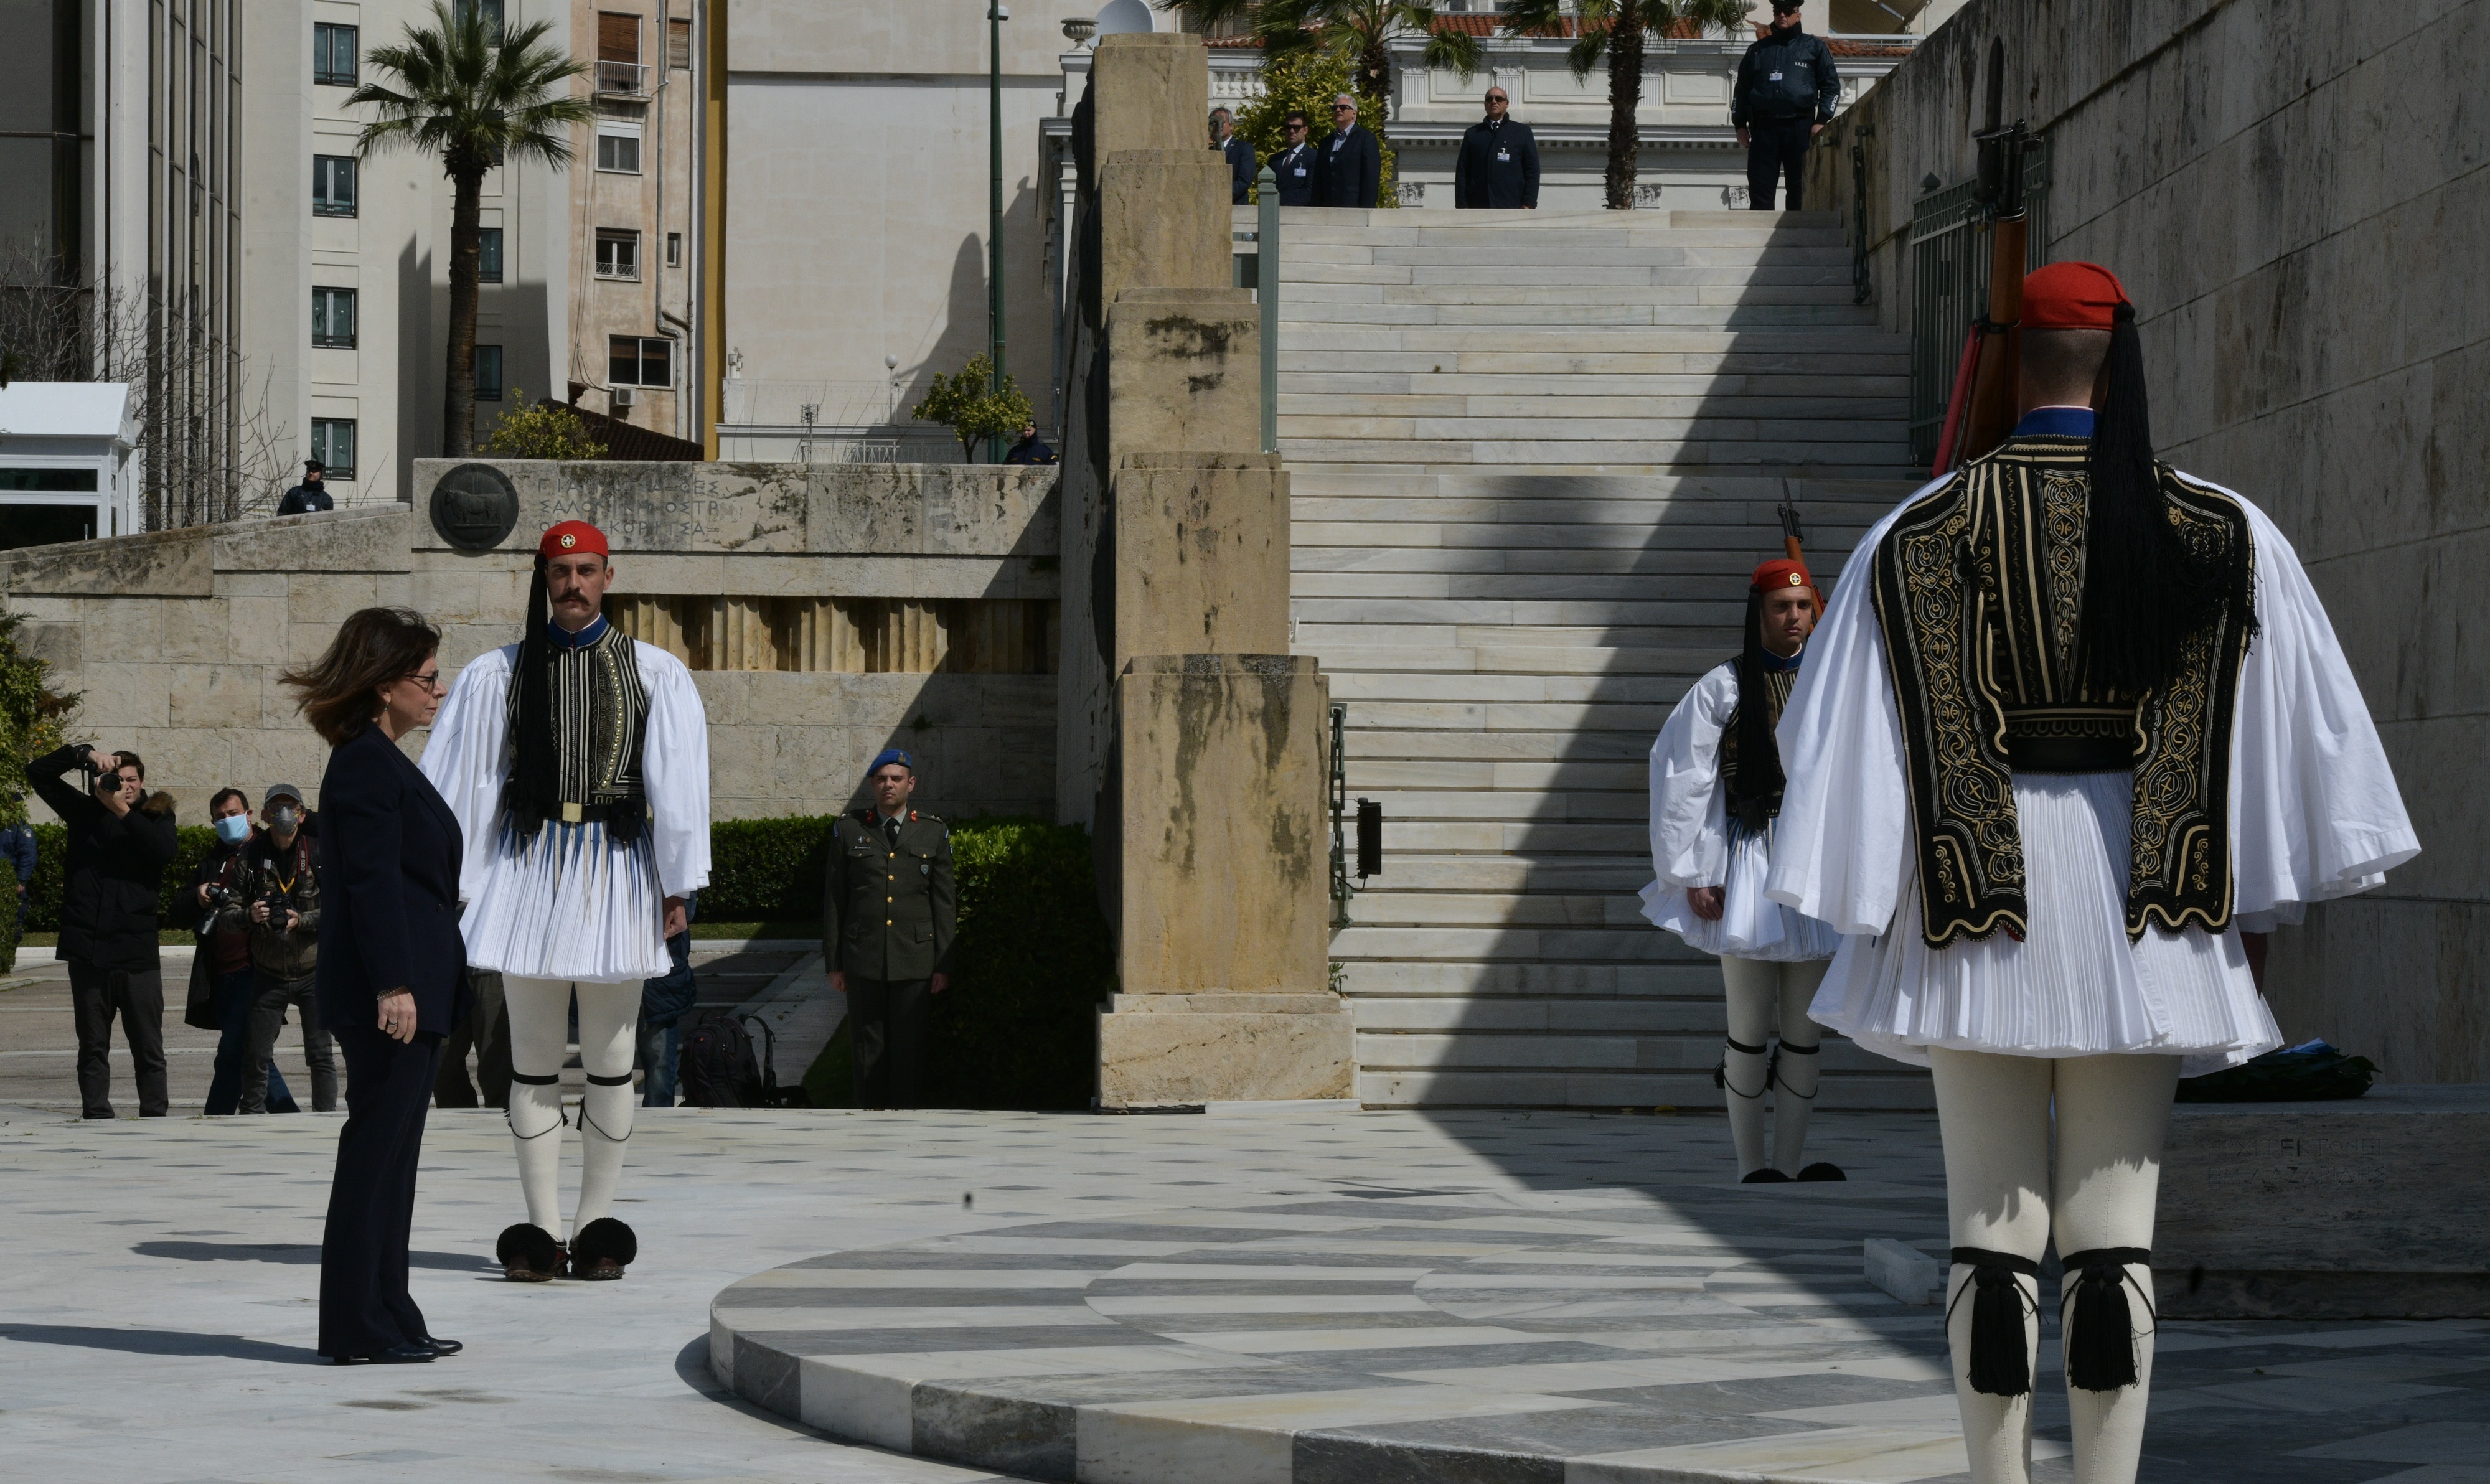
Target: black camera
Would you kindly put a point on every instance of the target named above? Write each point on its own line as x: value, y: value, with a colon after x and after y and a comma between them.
x: 222, y: 897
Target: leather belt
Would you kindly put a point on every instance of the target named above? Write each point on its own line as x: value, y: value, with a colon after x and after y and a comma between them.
x: 600, y: 813
x: 2069, y: 754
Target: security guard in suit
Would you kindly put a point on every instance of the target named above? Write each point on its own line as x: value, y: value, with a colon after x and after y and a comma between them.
x: 889, y: 909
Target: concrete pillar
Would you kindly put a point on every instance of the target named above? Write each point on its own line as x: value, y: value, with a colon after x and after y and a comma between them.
x: 1183, y: 371
x: 1148, y: 90
x: 1164, y: 222
x: 1202, y: 555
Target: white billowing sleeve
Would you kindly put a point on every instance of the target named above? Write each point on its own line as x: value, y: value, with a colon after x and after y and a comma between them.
x: 2315, y: 813
x: 1842, y: 846
x: 1689, y: 837
x: 674, y: 762
x: 463, y: 757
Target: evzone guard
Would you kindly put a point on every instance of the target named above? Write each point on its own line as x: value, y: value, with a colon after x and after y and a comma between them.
x: 1716, y: 787
x: 2074, y: 722
x: 577, y: 763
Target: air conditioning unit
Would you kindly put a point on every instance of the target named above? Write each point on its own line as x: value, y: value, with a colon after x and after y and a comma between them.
x: 621, y: 400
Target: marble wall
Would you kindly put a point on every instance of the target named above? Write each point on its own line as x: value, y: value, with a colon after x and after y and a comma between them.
x: 2292, y: 193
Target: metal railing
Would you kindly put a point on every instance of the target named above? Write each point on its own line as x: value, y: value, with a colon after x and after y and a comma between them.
x: 1341, y: 890
x: 1949, y: 288
x: 627, y: 79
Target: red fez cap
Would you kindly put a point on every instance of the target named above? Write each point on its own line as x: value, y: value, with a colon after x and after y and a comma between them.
x: 2070, y: 296
x: 1783, y: 572
x: 569, y: 538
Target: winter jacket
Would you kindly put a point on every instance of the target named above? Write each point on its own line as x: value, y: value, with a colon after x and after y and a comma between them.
x: 1785, y: 77
x: 267, y: 870
x: 113, y: 871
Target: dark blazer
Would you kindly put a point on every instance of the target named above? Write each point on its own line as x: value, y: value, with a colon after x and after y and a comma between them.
x: 388, y: 876
x: 1483, y: 179
x: 888, y: 913
x: 1351, y: 168
x: 1295, y: 169
x: 1241, y: 168
x: 113, y: 870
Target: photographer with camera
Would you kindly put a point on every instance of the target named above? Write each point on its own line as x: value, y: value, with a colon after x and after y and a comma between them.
x: 220, y: 978
x: 121, y: 841
x: 280, y: 902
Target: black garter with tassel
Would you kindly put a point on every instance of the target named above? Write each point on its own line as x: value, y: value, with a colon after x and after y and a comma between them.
x: 2099, y: 1325
x: 2000, y: 1365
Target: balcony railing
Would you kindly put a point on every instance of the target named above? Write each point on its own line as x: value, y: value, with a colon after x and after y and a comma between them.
x: 630, y: 80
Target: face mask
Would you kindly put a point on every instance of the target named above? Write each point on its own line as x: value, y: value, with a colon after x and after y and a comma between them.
x: 281, y: 819
x: 234, y: 829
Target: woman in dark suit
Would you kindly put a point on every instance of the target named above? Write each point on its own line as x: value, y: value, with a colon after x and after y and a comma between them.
x: 391, y: 970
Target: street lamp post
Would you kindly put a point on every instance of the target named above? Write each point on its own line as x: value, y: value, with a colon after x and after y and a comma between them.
x: 996, y: 16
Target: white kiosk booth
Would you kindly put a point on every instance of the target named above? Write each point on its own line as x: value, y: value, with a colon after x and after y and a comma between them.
x: 69, y: 470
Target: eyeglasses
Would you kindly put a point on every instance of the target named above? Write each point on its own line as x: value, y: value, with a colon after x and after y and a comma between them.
x: 1297, y: 129
x: 429, y: 680
x: 1342, y: 108
x: 1497, y: 97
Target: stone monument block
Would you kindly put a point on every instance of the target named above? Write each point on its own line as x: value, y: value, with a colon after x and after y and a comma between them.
x: 2372, y: 1207
x: 1223, y: 922
x: 1146, y: 89
x: 1184, y: 370
x: 1164, y: 222
x: 1201, y: 554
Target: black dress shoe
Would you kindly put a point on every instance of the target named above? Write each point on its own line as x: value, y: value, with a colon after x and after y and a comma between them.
x: 395, y: 1354
x: 1767, y: 1176
x: 442, y: 1347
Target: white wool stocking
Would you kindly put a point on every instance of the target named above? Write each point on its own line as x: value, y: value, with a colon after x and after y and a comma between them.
x: 1765, y: 998
x: 540, y: 1016
x: 609, y: 1023
x: 2113, y: 1115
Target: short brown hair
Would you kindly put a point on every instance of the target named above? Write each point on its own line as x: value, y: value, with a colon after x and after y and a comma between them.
x: 340, y: 690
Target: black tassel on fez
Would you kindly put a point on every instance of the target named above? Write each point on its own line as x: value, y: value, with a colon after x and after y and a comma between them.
x: 2001, y: 1361
x: 2099, y: 1322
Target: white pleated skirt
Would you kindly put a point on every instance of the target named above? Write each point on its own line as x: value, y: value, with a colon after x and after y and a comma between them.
x: 570, y: 904
x: 1751, y: 924
x: 2074, y: 986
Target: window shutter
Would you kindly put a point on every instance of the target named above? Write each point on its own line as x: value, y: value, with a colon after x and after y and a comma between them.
x: 617, y: 37
x: 678, y: 44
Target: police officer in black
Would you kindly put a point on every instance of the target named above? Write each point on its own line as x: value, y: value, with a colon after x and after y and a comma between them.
x: 308, y: 497
x: 1295, y: 165
x: 1498, y: 166
x: 888, y: 911
x: 1786, y: 93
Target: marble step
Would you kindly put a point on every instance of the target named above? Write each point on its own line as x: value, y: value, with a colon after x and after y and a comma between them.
x: 1690, y: 975
x: 1692, y: 454
x: 1557, y: 258
x: 1673, y: 285
x: 1648, y: 266
x: 1695, y: 1048
x: 1312, y: 638
x: 1585, y: 872
x: 1581, y: 339
x: 1558, y: 406
x: 1748, y: 360
x: 1392, y: 218
x: 1490, y: 382
x: 1896, y: 1089
x: 1812, y: 432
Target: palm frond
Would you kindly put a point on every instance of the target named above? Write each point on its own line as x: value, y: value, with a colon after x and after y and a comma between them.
x: 473, y: 95
x: 1207, y: 17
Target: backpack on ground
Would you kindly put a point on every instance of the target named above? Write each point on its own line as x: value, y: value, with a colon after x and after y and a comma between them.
x: 719, y: 1068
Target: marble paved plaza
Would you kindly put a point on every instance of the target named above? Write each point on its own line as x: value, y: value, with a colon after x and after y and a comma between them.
x: 1507, y: 1296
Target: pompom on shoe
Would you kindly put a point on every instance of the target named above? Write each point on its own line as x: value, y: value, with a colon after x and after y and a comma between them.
x: 1767, y: 1176
x: 1822, y: 1170
x: 528, y: 1254
x: 601, y: 1250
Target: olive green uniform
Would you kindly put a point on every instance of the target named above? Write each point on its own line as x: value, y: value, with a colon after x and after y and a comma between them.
x: 888, y: 909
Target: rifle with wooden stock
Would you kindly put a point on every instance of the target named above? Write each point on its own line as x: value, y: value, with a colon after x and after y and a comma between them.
x: 1981, y: 411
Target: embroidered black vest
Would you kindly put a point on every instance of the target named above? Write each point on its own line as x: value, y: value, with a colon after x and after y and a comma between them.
x: 601, y: 714
x: 1979, y: 591
x: 1752, y: 811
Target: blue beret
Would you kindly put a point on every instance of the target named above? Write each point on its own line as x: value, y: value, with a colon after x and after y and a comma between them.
x: 888, y: 756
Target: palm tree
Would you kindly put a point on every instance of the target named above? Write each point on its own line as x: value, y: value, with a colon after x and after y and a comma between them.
x: 1618, y: 29
x: 1361, y: 30
x: 477, y: 96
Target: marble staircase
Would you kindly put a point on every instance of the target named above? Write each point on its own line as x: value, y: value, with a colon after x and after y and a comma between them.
x: 1532, y: 454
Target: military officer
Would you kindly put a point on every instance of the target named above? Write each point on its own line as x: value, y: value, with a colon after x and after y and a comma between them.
x: 889, y: 910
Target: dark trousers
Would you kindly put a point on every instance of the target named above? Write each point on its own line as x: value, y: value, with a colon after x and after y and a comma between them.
x: 1776, y: 148
x: 487, y: 1032
x: 889, y: 1020
x: 270, y: 996
x: 233, y: 998
x: 96, y: 997
x: 364, y: 1306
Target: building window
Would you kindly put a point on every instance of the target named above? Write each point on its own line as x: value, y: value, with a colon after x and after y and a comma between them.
x: 333, y: 444
x: 332, y: 318
x: 488, y: 256
x: 618, y: 146
x: 673, y: 249
x: 489, y: 373
x: 641, y: 361
x: 332, y: 184
x: 490, y: 10
x: 333, y: 54
x: 678, y: 44
x: 618, y: 253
